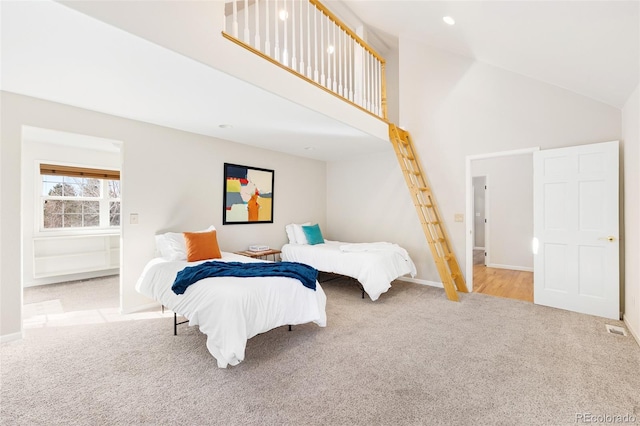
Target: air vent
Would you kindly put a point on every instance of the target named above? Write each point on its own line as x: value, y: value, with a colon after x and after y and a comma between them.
x: 616, y: 330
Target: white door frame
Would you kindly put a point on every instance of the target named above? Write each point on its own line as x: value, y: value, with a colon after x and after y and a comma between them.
x: 469, y: 204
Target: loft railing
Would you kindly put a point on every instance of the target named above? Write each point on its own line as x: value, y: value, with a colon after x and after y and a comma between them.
x: 304, y: 37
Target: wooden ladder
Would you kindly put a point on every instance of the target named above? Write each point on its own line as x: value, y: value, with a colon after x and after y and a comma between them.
x: 428, y: 213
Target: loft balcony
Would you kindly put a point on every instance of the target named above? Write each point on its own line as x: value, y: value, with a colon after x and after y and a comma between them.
x: 306, y: 38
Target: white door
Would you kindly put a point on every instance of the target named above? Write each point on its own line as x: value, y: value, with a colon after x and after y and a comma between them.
x: 576, y: 229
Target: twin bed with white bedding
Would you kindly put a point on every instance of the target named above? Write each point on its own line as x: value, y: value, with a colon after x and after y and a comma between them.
x: 231, y: 310
x: 374, y: 265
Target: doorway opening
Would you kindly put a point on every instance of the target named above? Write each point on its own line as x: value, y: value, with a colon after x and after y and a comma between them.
x: 71, y: 237
x: 479, y: 188
x: 500, y: 224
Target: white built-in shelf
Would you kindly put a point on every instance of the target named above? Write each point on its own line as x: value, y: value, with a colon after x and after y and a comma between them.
x: 74, y: 254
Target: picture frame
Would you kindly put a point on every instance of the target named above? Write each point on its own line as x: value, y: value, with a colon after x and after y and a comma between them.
x: 248, y: 195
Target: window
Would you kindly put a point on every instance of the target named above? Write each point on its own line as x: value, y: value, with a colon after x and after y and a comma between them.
x: 78, y: 198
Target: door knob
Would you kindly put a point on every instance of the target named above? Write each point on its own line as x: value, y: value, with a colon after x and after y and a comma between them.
x: 610, y: 238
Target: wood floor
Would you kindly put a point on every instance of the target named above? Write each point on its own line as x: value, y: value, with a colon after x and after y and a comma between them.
x: 503, y: 282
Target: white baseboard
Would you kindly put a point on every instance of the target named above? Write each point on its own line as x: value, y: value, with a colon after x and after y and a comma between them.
x: 513, y: 268
x: 423, y: 282
x: 11, y: 337
x: 73, y: 277
x: 634, y: 333
x: 154, y: 305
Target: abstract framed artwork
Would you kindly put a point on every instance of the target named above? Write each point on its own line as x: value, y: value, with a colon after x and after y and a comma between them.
x: 248, y: 195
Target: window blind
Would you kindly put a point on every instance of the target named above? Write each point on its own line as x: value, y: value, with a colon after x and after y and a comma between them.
x: 53, y: 169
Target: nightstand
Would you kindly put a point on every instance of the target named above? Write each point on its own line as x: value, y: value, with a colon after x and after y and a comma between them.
x: 261, y: 254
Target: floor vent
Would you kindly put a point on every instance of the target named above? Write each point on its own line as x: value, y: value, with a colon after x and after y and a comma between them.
x: 616, y: 330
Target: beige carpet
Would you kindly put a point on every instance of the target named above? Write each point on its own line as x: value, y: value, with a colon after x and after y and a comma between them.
x: 411, y: 358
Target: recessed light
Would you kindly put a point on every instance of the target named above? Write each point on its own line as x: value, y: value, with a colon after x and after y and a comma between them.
x: 449, y: 20
x: 225, y: 126
x: 309, y: 148
x: 283, y: 14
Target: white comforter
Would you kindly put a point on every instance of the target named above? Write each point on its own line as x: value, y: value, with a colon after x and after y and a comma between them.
x: 375, y: 265
x: 230, y: 310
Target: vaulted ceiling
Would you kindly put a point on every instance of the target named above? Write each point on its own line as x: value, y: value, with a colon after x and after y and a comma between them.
x: 589, y: 47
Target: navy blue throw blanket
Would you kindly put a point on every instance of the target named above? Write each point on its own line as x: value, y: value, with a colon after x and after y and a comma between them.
x: 192, y: 274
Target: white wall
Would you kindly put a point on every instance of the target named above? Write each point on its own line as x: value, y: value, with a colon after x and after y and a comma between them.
x: 510, y: 205
x: 172, y: 179
x: 454, y: 106
x: 34, y: 152
x: 631, y: 138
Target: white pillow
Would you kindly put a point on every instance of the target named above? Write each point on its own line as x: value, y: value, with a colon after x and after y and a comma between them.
x: 299, y: 233
x: 172, y: 246
x: 290, y: 233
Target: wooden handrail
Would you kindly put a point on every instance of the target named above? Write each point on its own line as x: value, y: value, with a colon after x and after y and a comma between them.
x: 322, y: 8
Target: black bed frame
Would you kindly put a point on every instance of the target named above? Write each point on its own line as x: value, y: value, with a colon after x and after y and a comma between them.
x: 333, y: 276
x: 176, y: 323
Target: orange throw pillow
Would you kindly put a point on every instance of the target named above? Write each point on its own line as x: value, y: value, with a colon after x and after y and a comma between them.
x: 202, y: 246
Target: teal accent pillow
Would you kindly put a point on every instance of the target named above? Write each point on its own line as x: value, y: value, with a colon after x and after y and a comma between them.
x: 313, y: 234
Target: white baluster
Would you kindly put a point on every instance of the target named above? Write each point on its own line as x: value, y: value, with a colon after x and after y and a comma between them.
x: 234, y: 27
x: 316, y: 76
x: 370, y: 81
x: 345, y: 90
x: 339, y: 59
x: 285, y: 51
x: 379, y: 85
x: 247, y: 34
x: 322, y: 52
x: 301, y: 69
x: 276, y: 18
x: 357, y: 73
x: 372, y: 107
x: 267, y: 42
x: 329, y: 46
x: 335, y: 54
x: 376, y: 86
x: 351, y: 80
x: 256, y: 42
x: 367, y: 61
x: 309, y: 41
x: 294, y: 62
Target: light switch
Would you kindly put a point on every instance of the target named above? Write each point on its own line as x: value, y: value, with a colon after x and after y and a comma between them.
x: 133, y: 219
x: 458, y: 217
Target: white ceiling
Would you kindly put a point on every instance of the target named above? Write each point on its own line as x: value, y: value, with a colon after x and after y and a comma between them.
x: 589, y: 47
